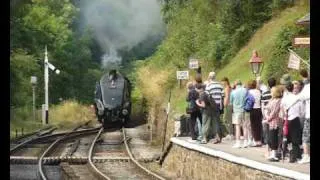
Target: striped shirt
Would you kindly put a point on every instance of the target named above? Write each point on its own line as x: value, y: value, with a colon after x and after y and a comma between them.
x: 215, y: 89
x: 265, y: 98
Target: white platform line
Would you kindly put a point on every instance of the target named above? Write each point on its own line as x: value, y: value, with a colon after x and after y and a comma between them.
x: 243, y: 161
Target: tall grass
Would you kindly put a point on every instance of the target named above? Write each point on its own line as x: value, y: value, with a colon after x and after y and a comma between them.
x: 66, y: 115
x: 22, y: 118
x: 70, y: 113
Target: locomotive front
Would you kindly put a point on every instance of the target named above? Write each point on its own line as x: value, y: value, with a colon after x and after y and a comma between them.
x: 113, y: 100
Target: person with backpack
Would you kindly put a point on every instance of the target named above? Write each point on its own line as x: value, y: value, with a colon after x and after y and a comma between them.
x: 216, y: 92
x: 237, y: 101
x: 198, y: 83
x: 208, y: 107
x: 192, y: 109
x: 255, y: 113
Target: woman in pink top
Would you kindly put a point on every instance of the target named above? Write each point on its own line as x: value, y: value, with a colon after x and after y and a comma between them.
x: 272, y: 118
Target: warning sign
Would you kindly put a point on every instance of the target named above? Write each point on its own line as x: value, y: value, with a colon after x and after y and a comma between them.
x: 182, y: 74
x: 294, y: 61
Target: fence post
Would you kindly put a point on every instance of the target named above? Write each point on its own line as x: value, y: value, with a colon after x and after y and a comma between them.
x: 165, y: 123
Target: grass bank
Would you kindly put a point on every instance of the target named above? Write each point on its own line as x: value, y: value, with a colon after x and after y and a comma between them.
x: 263, y: 41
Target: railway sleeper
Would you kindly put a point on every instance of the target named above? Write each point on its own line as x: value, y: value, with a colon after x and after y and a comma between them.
x: 55, y: 160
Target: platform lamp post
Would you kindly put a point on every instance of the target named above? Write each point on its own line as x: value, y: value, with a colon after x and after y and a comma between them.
x: 256, y: 64
x: 34, y: 84
x: 47, y: 65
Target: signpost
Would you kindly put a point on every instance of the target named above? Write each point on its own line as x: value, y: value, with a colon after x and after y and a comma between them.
x: 193, y: 64
x: 182, y: 75
x: 301, y: 42
x: 294, y: 60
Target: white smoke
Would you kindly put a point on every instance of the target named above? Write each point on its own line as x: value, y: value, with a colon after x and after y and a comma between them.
x: 111, y: 60
x: 121, y: 24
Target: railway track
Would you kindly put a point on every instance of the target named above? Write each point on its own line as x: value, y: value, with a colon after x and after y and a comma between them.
x: 23, y: 140
x: 69, y: 135
x: 29, y: 135
x: 101, y: 175
x: 46, y: 137
x: 86, y: 166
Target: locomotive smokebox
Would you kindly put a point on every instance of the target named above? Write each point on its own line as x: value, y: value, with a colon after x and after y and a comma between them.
x: 113, y: 98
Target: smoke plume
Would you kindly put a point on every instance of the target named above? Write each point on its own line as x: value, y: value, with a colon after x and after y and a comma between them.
x: 121, y: 24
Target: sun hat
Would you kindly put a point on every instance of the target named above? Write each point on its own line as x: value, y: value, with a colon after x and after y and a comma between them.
x: 285, y: 79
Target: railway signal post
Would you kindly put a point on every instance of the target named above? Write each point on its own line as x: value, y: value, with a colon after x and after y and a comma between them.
x: 34, y: 83
x: 46, y: 85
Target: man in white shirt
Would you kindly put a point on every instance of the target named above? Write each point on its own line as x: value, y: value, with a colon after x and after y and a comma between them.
x: 305, y: 96
x: 292, y: 106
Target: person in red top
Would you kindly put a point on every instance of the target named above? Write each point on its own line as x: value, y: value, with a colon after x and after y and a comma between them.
x: 273, y: 119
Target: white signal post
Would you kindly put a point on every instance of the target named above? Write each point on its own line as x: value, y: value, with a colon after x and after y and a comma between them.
x: 46, y: 84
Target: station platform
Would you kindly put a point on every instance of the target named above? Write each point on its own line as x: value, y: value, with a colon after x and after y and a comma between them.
x: 252, y: 157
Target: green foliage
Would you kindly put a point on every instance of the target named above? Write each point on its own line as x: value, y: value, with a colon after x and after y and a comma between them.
x: 278, y: 5
x: 37, y: 23
x: 280, y: 54
x: 22, y: 67
x: 22, y: 118
x: 212, y: 31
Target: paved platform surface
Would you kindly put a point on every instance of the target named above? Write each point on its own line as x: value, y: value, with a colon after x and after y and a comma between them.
x: 251, y: 153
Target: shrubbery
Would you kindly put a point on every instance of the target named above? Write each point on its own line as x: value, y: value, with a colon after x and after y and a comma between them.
x: 280, y: 54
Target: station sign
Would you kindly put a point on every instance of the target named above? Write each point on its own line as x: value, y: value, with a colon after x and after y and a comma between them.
x: 193, y: 64
x: 182, y: 74
x: 301, y: 42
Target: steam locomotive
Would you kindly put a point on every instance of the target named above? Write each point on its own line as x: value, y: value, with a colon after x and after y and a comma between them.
x: 113, y: 99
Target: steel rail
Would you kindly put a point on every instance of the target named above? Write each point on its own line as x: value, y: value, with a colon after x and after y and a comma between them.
x: 135, y: 161
x: 28, y: 135
x: 66, y: 136
x: 46, y: 137
x: 90, y: 155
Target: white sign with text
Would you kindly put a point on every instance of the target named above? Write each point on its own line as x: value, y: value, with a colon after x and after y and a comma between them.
x: 294, y: 61
x: 193, y: 63
x: 182, y: 74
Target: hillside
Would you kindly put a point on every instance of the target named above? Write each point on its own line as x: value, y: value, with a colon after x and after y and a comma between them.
x: 156, y: 76
x: 263, y: 41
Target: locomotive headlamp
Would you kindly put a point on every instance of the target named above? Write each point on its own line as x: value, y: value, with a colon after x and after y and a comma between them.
x: 125, y: 112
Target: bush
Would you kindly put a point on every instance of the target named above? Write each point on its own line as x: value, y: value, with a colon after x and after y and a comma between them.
x: 280, y: 54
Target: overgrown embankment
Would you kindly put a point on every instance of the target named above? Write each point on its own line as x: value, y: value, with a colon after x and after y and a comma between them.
x: 272, y: 42
x: 65, y: 115
x: 218, y: 34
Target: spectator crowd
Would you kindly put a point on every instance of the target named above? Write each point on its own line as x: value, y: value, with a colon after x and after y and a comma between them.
x: 253, y: 114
